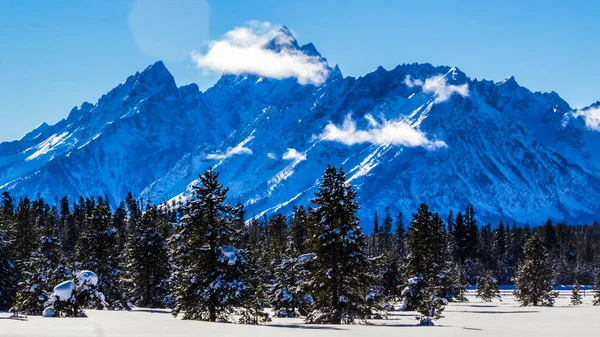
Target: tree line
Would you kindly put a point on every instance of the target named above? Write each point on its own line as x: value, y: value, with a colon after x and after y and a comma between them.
x: 206, y: 261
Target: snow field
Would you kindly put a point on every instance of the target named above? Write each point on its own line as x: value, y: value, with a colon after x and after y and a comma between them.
x: 473, y: 318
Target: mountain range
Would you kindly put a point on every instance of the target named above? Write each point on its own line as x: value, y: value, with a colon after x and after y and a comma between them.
x: 415, y: 133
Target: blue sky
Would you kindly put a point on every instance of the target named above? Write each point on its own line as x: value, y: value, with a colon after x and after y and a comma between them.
x: 56, y: 54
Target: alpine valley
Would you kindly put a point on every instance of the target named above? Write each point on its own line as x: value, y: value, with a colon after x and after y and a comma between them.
x: 513, y: 154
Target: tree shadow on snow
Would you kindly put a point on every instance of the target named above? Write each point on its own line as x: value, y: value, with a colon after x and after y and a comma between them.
x: 22, y: 319
x: 405, y: 325
x: 300, y: 326
x: 153, y: 311
x: 480, y: 306
x: 496, y: 312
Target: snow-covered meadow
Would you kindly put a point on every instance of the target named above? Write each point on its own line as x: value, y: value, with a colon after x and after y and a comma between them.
x: 473, y: 318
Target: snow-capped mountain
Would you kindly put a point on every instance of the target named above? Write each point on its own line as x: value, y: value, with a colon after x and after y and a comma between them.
x: 512, y: 153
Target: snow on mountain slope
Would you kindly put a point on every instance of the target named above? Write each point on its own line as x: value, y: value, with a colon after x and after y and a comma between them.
x: 416, y: 133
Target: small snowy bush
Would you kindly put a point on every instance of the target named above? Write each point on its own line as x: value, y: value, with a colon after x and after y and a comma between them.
x: 70, y: 297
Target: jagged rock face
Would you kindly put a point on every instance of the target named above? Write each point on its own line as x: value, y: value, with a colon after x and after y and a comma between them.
x: 513, y: 154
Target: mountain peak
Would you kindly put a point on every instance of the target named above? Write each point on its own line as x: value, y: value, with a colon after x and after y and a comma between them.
x: 156, y: 70
x: 509, y: 83
x: 283, y: 40
x: 285, y: 31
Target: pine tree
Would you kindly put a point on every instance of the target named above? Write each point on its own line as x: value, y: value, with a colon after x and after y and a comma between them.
x: 209, y: 269
x: 8, y: 277
x: 459, y: 291
x: 97, y: 250
x: 147, y: 267
x: 340, y: 275
x: 299, y: 230
x: 69, y: 232
x: 426, y: 241
x: 45, y: 268
x: 255, y: 296
x: 25, y: 233
x: 400, y: 237
x: 575, y: 295
x: 596, y: 289
x: 534, y: 278
x: 487, y: 287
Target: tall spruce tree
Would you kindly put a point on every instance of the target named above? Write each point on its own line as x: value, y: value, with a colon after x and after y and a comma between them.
x: 209, y: 269
x: 535, y: 276
x: 25, y: 232
x: 8, y: 277
x: 147, y: 267
x: 340, y: 276
x: 426, y: 242
x: 45, y: 268
x: 299, y: 229
x: 97, y: 250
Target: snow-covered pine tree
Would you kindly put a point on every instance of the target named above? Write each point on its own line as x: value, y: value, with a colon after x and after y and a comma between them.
x: 299, y: 229
x: 97, y: 250
x: 487, y: 287
x: 596, y: 289
x: 8, y: 278
x: 458, y: 291
x: 209, y: 270
x: 431, y: 307
x: 25, y: 233
x: 45, y: 268
x: 392, y: 277
x: 426, y: 242
x: 289, y: 293
x: 534, y: 277
x: 147, y: 268
x: 254, y: 298
x: 340, y: 275
x: 576, y: 295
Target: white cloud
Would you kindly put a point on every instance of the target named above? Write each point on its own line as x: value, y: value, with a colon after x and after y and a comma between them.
x: 242, y: 51
x: 591, y: 117
x: 386, y: 132
x: 271, y: 155
x: 439, y: 87
x: 232, y: 151
x: 292, y: 154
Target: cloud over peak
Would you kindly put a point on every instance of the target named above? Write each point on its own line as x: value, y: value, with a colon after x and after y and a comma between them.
x: 378, y: 133
x: 293, y: 154
x: 591, y: 116
x: 438, y: 85
x: 243, y: 50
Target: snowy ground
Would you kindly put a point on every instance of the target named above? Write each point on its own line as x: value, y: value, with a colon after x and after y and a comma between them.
x: 461, y: 319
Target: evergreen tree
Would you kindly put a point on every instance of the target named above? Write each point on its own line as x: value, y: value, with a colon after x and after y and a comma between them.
x: 487, y: 287
x: 8, y: 277
x: 45, y: 268
x: 596, y: 290
x: 299, y: 230
x: 25, y: 233
x: 340, y: 275
x: 575, y: 295
x: 209, y: 269
x: 534, y: 278
x: 147, y: 267
x: 459, y: 290
x: 254, y: 299
x: 461, y: 239
x: 69, y: 232
x: 97, y: 249
x: 400, y: 238
x: 426, y: 241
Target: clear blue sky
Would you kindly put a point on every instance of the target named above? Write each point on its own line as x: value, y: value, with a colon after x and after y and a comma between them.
x: 56, y: 54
